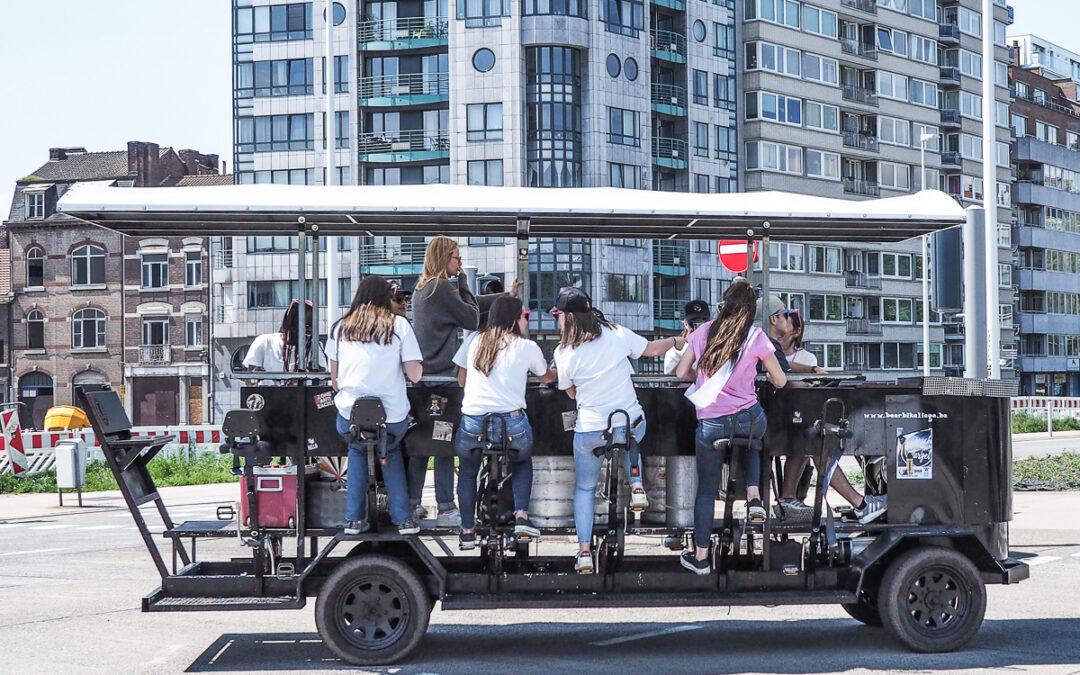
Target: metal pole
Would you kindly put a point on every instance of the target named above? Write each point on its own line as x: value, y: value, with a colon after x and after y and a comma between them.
x: 313, y: 358
x: 990, y: 282
x: 765, y: 267
x: 974, y: 305
x: 522, y: 272
x: 925, y: 271
x: 333, y: 303
x: 301, y: 255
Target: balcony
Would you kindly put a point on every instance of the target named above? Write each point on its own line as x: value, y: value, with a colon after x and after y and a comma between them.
x: 667, y: 314
x: 950, y: 76
x: 392, y: 258
x: 858, y: 48
x: 863, y: 327
x: 950, y: 117
x: 949, y: 33
x: 667, y: 45
x: 671, y: 259
x: 868, y: 188
x: 669, y: 99
x: 868, y: 6
x: 407, y: 145
x: 862, y: 280
x: 412, y: 32
x: 677, y: 5
x: 951, y: 160
x: 224, y: 314
x: 953, y: 330
x: 223, y: 260
x: 860, y: 141
x: 1010, y: 15
x: 402, y: 90
x: 670, y: 153
x: 856, y: 94
x: 155, y: 355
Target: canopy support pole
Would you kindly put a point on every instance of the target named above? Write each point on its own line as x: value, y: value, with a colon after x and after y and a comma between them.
x: 764, y: 256
x: 313, y: 356
x: 975, y: 309
x: 301, y: 259
x: 522, y: 271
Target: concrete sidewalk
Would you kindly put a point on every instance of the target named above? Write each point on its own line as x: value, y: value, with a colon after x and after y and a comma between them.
x: 28, y: 506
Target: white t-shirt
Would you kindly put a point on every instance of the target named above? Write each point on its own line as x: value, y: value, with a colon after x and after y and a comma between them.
x: 600, y: 371
x: 672, y: 358
x: 373, y: 369
x: 803, y: 357
x: 266, y: 353
x: 503, y: 389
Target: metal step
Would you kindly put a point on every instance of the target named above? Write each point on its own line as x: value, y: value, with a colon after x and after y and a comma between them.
x: 181, y: 604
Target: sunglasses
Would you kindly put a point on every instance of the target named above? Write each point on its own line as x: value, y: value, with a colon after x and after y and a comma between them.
x: 556, y: 313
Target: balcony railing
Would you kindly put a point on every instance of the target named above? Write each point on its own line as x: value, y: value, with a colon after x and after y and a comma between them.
x: 862, y: 280
x: 951, y: 159
x: 949, y: 74
x: 669, y: 94
x: 860, y: 141
x: 948, y: 31
x: 667, y: 310
x: 412, y: 84
x: 950, y: 116
x: 224, y: 313
x: 405, y: 140
x: 667, y: 254
x: 401, y: 253
x: 863, y: 327
x: 861, y: 187
x: 858, y: 48
x: 402, y: 29
x: 1048, y: 103
x: 154, y: 355
x: 851, y: 92
x: 669, y: 42
x: 868, y: 6
x: 670, y: 150
x: 223, y: 260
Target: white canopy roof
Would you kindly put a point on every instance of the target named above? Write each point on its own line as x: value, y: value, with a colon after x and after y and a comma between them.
x: 502, y: 211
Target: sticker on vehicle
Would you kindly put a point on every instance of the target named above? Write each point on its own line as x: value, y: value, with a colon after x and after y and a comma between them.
x: 324, y: 400
x: 915, y: 454
x: 442, y: 431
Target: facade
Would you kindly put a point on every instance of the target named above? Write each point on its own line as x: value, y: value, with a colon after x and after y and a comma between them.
x: 1046, y: 158
x: 89, y: 307
x: 1053, y: 61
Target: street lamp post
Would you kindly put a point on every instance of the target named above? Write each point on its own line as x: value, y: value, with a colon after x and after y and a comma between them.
x: 923, y: 140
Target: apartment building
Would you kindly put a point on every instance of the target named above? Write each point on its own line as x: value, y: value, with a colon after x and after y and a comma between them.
x: 1046, y: 162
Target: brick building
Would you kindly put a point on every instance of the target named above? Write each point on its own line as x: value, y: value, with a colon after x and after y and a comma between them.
x: 89, y: 307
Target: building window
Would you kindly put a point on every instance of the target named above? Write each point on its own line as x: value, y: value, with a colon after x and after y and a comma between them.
x: 557, y: 7
x: 820, y: 69
x: 898, y: 356
x: 625, y: 17
x: 481, y: 13
x: 485, y: 172
x: 825, y: 259
x: 830, y: 355
x: 614, y: 64
x: 265, y: 133
x: 192, y: 268
x: 897, y: 310
x: 625, y: 288
x: 819, y: 21
x: 282, y: 77
x: 701, y: 140
x: 769, y: 156
x: 826, y: 307
x: 155, y: 331
x: 155, y: 270
x: 623, y: 127
x: 784, y: 257
x: 896, y: 265
x: 341, y: 133
x: 821, y: 116
x: 894, y: 131
x: 483, y: 60
x: 88, y: 266
x: 193, y: 328
x: 624, y: 175
x: 774, y: 107
x: 891, y: 85
x: 345, y: 294
x: 35, y: 329
x: 278, y: 294
x: 1046, y: 132
x: 553, y: 99
x: 701, y: 87
x: 894, y: 176
x: 555, y: 264
x: 701, y: 183
x: 274, y: 23
x: 35, y: 267
x: 88, y: 329
x: 35, y: 204
x: 341, y: 75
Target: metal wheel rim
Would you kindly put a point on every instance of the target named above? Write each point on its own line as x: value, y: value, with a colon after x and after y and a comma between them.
x: 937, y: 602
x: 373, y: 613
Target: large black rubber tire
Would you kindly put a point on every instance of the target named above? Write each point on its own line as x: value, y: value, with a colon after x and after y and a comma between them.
x: 372, y: 610
x: 932, y: 600
x: 863, y: 612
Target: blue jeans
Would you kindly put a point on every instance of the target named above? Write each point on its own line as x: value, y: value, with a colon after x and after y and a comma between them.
x: 467, y: 446
x: 710, y: 463
x: 393, y: 474
x: 587, y: 472
x: 444, y: 480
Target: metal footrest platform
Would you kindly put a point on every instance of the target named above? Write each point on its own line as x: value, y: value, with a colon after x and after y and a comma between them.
x: 202, y: 528
x: 159, y: 602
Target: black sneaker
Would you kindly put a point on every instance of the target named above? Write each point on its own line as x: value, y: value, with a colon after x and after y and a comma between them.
x: 689, y: 560
x: 524, y: 529
x: 357, y: 526
x: 408, y: 527
x: 467, y: 541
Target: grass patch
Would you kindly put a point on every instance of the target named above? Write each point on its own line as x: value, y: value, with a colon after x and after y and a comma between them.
x: 1056, y: 472
x: 1027, y: 423
x: 179, y: 469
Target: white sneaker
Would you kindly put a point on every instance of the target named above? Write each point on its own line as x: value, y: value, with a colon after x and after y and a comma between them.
x: 583, y: 563
x: 638, y: 500
x: 874, y: 506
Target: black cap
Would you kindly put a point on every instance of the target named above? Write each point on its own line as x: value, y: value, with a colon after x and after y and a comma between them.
x: 489, y: 283
x: 696, y: 311
x: 573, y: 299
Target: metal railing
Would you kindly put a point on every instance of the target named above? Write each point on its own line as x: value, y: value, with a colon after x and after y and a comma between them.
x: 404, y: 28
x: 858, y: 48
x: 668, y: 94
x: 863, y: 327
x: 851, y: 92
x: 223, y: 260
x: 667, y: 310
x: 667, y: 41
x: 670, y: 148
x: 861, y: 187
x: 951, y: 158
x: 155, y: 355
x: 670, y: 254
x: 224, y: 313
x: 412, y: 84
x: 862, y: 280
x: 860, y: 141
x: 949, y: 31
x: 1046, y: 102
x: 405, y: 140
x: 401, y: 253
x: 950, y: 116
x: 868, y: 6
x: 950, y: 73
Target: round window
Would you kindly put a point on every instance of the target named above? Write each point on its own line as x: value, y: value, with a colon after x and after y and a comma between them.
x: 339, y: 14
x: 614, y: 65
x: 699, y: 30
x: 483, y: 59
x: 630, y: 68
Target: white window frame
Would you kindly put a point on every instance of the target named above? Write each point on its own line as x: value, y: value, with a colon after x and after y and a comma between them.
x: 35, y: 205
x: 970, y: 105
x: 971, y: 147
x: 893, y: 123
x: 895, y: 81
x: 821, y: 350
x: 191, y: 319
x: 923, y: 87
x: 822, y: 109
x: 970, y: 22
x: 970, y: 64
x: 896, y: 303
x: 897, y: 170
x: 822, y: 61
x: 782, y: 154
x: 923, y: 49
x: 896, y: 258
x: 1042, y: 132
x: 829, y: 162
x: 822, y: 14
x: 812, y: 257
x: 917, y: 130
x: 782, y: 254
x: 838, y: 303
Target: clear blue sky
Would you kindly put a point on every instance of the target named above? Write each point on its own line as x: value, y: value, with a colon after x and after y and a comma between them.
x: 98, y: 73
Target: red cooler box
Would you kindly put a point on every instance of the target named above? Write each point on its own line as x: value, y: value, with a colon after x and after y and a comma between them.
x: 275, y: 494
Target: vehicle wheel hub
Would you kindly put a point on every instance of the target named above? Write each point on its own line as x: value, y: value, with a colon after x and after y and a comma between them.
x: 935, y: 600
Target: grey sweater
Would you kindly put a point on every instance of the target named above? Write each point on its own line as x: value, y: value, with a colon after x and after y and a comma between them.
x: 439, y: 309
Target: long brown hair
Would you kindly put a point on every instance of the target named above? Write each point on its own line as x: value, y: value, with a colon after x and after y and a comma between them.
x: 436, y: 259
x: 728, y: 332
x: 502, y: 328
x: 370, y: 318
x: 581, y: 327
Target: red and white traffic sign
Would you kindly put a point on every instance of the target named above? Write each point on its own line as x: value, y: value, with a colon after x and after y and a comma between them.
x: 732, y: 253
x: 9, y: 422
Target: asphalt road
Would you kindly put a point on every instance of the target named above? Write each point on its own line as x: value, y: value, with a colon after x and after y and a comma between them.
x: 70, y: 587
x: 1040, y: 445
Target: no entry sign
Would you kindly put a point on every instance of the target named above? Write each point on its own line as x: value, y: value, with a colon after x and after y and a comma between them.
x: 732, y: 253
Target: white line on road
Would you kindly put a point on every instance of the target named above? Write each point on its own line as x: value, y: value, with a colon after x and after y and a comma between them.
x: 37, y: 550
x: 51, y: 527
x: 1076, y: 555
x: 642, y: 636
x: 1041, y: 560
x: 100, y: 527
x: 13, y: 524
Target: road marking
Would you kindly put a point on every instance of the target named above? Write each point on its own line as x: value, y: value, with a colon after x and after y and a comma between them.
x: 1076, y: 555
x: 642, y: 636
x: 1041, y: 560
x: 13, y: 524
x: 37, y: 550
x: 101, y: 527
x: 51, y: 527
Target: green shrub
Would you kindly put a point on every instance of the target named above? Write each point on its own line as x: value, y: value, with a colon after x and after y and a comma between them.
x: 179, y: 469
x: 1028, y: 423
x: 1057, y: 472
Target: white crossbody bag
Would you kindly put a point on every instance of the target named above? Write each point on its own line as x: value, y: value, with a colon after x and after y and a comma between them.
x: 706, y: 394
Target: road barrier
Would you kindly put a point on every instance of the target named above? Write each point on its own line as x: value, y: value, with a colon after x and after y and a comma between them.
x: 1050, y: 406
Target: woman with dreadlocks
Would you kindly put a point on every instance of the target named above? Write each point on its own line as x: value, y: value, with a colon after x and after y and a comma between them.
x: 493, y: 370
x: 722, y: 362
